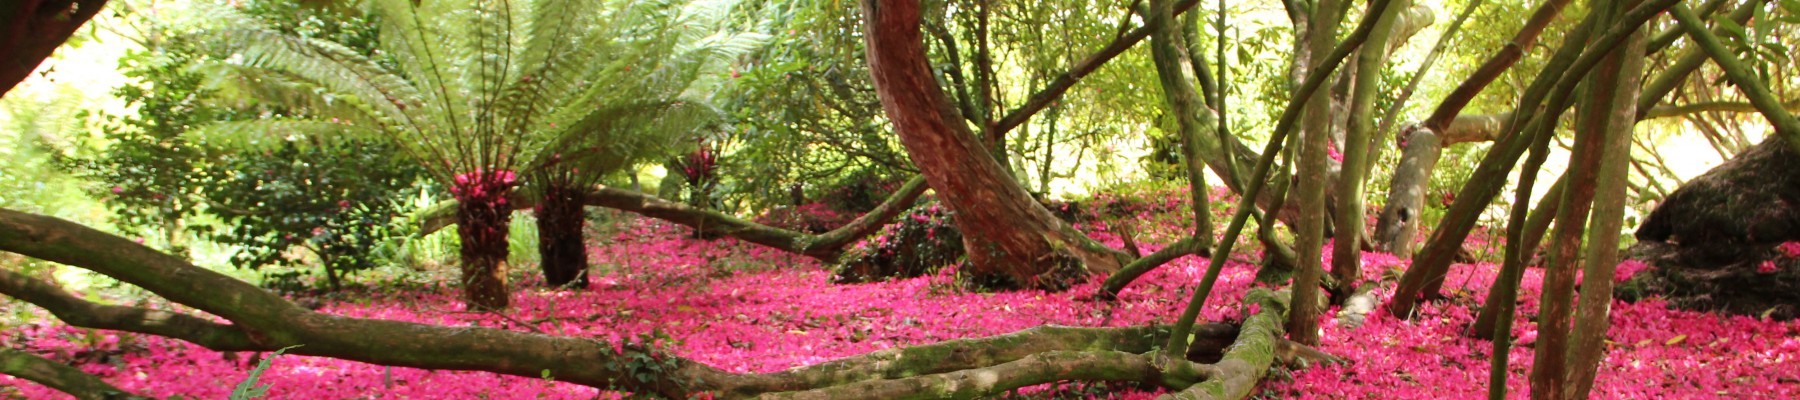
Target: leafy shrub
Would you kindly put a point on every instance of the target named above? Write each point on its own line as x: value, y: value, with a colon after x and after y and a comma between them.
x: 333, y: 200
x: 922, y: 241
x: 860, y: 191
x: 149, y: 172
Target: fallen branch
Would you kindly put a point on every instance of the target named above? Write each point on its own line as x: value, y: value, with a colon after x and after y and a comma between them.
x: 1250, y: 356
x: 262, y: 321
x: 826, y: 246
x: 57, y: 376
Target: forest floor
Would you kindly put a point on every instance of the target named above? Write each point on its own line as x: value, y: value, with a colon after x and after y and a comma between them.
x: 744, y: 308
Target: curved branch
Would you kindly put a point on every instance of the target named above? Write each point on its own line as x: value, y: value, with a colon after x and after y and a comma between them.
x: 1190, y: 245
x: 57, y: 376
x: 86, y: 314
x: 273, y: 322
x: 1495, y: 65
x: 1061, y: 83
x: 1251, y: 354
x: 826, y: 246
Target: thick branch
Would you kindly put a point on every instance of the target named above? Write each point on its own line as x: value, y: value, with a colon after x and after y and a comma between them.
x: 1250, y: 356
x: 33, y: 30
x: 1495, y: 65
x: 826, y: 246
x: 91, y: 315
x: 57, y: 376
x: 1035, y: 369
x: 1143, y: 265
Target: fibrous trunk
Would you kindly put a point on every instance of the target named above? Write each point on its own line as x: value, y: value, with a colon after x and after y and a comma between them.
x: 482, y: 215
x: 561, y: 253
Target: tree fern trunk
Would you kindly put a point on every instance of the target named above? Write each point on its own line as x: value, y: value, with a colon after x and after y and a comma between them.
x: 482, y: 218
x: 561, y: 252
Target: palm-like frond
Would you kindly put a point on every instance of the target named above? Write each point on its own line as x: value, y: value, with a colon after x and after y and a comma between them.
x: 503, y: 84
x: 388, y: 98
x: 262, y: 132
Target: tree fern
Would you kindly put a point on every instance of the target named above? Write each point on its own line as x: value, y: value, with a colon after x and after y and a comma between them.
x: 479, y: 90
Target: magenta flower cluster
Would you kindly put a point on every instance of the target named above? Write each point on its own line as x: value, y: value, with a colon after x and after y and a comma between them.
x: 483, y: 186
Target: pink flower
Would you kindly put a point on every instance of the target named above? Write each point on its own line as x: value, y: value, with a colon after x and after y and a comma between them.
x: 118, y: 190
x: 1767, y: 267
x: 345, y: 204
x: 1790, y: 249
x: 1626, y: 269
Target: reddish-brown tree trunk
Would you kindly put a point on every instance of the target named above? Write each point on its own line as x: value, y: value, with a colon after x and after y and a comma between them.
x: 482, y: 216
x: 1006, y: 233
x: 33, y: 30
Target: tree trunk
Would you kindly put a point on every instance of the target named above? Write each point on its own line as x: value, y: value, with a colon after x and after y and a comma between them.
x: 1398, y: 221
x: 482, y: 217
x: 1303, y: 321
x: 1007, y: 234
x: 562, y: 254
x: 1397, y: 231
x: 33, y: 30
x: 1346, y: 259
x: 1623, y: 70
x: 1603, y: 123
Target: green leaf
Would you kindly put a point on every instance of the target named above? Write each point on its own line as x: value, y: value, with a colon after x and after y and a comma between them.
x: 248, y: 389
x: 1732, y: 29
x: 1792, y: 7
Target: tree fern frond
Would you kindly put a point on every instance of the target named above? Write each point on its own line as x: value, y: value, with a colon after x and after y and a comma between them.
x: 319, y: 63
x: 263, y: 132
x: 619, y: 135
x: 245, y: 85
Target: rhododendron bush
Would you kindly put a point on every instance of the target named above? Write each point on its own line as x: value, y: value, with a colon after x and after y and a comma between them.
x: 746, y: 308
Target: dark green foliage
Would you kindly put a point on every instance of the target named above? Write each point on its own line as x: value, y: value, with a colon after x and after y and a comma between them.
x: 332, y: 199
x: 806, y: 112
x: 812, y: 218
x: 922, y: 241
x: 860, y: 191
